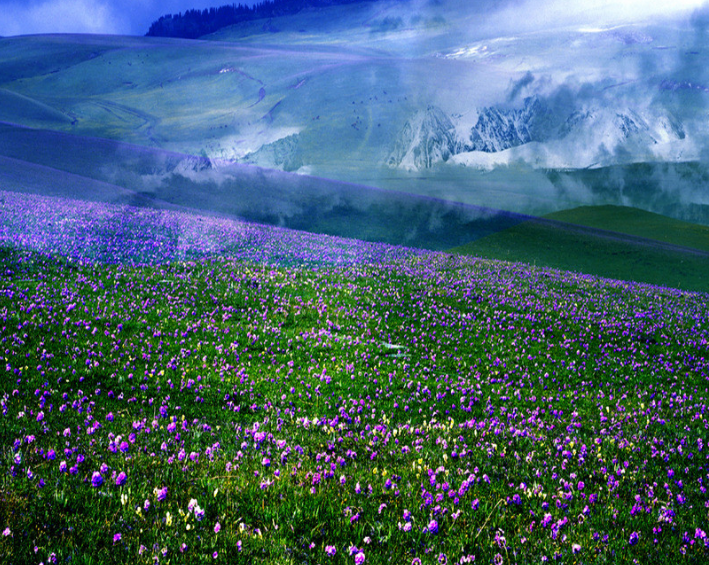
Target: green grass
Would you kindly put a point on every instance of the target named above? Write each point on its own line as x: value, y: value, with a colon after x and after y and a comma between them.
x: 235, y: 393
x: 620, y: 243
x: 637, y: 222
x: 486, y: 392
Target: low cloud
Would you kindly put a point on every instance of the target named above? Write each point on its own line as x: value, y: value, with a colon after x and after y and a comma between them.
x: 532, y: 15
x: 519, y: 86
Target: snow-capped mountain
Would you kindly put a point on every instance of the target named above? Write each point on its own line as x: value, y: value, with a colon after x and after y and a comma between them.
x: 603, y: 136
x: 428, y: 137
x: 367, y: 92
x: 540, y: 136
x: 498, y: 129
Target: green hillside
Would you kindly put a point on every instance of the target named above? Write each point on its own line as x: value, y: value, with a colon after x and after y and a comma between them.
x: 33, y: 113
x: 653, y: 249
x: 192, y: 389
x: 640, y: 223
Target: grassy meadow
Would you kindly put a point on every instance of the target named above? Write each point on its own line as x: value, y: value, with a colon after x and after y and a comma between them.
x: 610, y: 241
x: 187, y: 389
x: 638, y: 223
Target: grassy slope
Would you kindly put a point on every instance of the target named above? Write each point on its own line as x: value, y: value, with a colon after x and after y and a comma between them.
x: 619, y: 242
x: 411, y: 378
x: 640, y: 223
x: 61, y: 166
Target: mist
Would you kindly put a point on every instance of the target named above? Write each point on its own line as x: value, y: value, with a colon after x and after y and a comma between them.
x: 621, y: 118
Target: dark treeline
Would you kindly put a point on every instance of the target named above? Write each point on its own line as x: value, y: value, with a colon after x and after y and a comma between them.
x: 196, y: 23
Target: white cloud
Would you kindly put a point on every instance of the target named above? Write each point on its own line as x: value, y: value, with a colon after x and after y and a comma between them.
x: 61, y: 16
x: 532, y: 15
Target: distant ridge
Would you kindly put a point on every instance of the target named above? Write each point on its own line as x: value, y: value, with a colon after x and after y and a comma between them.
x: 614, y: 242
x: 193, y: 24
x: 638, y: 223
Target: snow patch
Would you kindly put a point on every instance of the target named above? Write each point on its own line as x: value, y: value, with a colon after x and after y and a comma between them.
x: 428, y: 137
x: 541, y: 137
x: 236, y: 147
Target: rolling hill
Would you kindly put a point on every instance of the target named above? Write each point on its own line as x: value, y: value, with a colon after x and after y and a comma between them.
x: 638, y: 223
x: 609, y: 241
x: 100, y: 170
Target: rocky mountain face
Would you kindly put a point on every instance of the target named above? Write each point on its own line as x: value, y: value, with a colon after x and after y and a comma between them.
x: 652, y: 128
x: 283, y: 154
x: 499, y: 129
x: 430, y: 136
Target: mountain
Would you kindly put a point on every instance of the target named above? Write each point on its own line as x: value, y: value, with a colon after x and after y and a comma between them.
x: 417, y: 97
x: 283, y: 154
x: 430, y: 137
x: 427, y: 138
x: 572, y: 138
x: 498, y: 129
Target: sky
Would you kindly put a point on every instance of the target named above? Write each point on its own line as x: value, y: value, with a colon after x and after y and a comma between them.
x: 115, y: 17
x: 133, y: 17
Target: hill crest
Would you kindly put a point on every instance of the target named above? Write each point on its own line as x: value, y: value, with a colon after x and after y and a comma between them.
x: 615, y: 242
x: 194, y: 23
